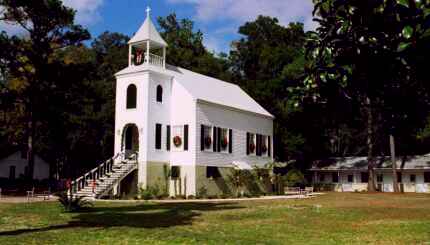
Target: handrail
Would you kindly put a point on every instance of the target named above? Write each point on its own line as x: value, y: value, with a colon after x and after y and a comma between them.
x: 155, y: 60
x: 94, y: 174
x: 133, y: 156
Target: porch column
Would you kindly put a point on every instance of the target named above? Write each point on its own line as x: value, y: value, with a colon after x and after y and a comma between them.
x: 164, y: 57
x: 129, y: 55
x: 147, y: 52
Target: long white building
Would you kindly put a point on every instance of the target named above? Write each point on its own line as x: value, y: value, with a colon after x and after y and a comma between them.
x: 350, y: 174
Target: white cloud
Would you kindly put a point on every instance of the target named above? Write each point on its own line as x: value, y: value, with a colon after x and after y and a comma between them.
x: 246, y: 10
x: 87, y: 13
x: 236, y: 12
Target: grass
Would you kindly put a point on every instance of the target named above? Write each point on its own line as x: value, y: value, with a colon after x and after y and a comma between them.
x: 343, y: 218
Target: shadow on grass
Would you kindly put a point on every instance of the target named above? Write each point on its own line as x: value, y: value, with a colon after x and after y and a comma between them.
x: 141, y: 216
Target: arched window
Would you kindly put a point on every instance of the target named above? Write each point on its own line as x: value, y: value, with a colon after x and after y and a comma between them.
x: 159, y: 93
x: 131, y: 96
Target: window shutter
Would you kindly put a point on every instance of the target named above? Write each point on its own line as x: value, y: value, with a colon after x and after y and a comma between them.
x: 269, y: 146
x: 247, y: 143
x: 202, y: 138
x: 219, y: 140
x: 168, y: 137
x: 214, y: 138
x: 258, y: 151
x: 157, y: 136
x: 186, y: 137
x: 230, y: 141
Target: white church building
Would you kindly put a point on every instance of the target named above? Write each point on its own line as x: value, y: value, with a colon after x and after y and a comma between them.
x: 188, y: 130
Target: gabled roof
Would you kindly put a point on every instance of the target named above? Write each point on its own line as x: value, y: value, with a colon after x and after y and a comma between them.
x: 215, y: 91
x: 360, y: 163
x: 147, y: 31
x: 206, y: 88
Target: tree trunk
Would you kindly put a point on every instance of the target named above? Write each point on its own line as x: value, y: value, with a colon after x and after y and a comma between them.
x: 393, y: 163
x: 30, y: 144
x: 371, y: 182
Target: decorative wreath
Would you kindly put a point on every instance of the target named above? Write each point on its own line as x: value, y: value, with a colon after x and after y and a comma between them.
x: 224, y: 142
x: 208, y: 141
x: 252, y: 147
x: 264, y: 148
x: 177, y: 141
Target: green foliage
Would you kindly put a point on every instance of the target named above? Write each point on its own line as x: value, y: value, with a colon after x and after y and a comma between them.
x: 151, y: 192
x: 73, y: 203
x: 202, y: 192
x: 294, y: 177
x: 186, y: 48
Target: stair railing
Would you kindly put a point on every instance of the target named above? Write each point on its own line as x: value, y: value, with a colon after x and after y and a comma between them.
x: 132, y: 157
x: 96, y: 173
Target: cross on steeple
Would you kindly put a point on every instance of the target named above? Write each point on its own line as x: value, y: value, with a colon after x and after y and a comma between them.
x: 148, y: 11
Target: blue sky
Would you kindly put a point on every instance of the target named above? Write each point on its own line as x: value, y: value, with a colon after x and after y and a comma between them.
x: 217, y: 19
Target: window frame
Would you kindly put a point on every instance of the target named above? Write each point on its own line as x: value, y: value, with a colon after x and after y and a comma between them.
x: 129, y: 103
x: 380, y: 178
x: 208, y: 132
x: 252, y: 140
x: 366, y: 179
x: 177, y: 130
x: 426, y: 177
x: 158, y: 136
x: 350, y: 180
x: 159, y: 94
x: 412, y: 178
x: 321, y: 178
x: 214, y: 173
x: 226, y: 133
x: 175, y: 172
x: 335, y: 177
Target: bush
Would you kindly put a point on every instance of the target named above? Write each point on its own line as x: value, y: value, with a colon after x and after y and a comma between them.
x: 294, y: 178
x: 151, y: 192
x: 73, y: 204
x: 202, y: 192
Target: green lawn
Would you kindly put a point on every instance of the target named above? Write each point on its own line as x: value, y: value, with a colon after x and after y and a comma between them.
x: 342, y: 218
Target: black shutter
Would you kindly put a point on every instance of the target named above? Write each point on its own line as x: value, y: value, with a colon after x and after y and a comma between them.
x: 202, y: 138
x: 258, y: 145
x: 269, y: 146
x: 168, y: 137
x: 214, y: 144
x: 219, y: 140
x: 230, y: 141
x: 247, y: 143
x: 158, y: 136
x: 185, y: 137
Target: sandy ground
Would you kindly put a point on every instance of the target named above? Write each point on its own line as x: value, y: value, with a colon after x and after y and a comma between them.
x: 24, y: 199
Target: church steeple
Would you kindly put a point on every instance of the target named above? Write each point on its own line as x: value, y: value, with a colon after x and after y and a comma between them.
x: 147, y: 46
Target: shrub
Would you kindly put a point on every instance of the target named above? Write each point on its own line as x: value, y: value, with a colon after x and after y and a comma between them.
x: 73, y: 203
x: 294, y: 178
x: 202, y: 192
x: 150, y: 193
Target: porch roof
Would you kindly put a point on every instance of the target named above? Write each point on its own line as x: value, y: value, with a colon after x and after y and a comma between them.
x: 360, y: 163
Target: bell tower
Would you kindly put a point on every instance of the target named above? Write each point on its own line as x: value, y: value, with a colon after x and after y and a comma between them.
x: 147, y: 47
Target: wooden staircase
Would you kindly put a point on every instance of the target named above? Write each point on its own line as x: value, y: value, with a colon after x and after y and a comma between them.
x: 100, y: 181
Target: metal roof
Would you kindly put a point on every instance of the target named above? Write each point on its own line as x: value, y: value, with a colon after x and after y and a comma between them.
x: 147, y: 31
x: 205, y: 88
x: 361, y: 163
